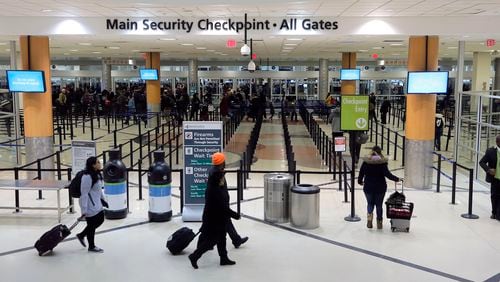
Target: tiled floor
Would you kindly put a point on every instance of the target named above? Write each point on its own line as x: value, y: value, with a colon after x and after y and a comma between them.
x: 441, y: 245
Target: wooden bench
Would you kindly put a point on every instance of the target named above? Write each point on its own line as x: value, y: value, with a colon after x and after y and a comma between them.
x: 36, y: 185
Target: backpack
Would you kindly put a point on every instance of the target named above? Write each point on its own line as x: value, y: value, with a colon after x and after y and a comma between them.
x: 74, y: 186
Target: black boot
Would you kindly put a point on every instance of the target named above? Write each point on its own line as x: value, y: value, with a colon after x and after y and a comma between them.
x: 240, y: 242
x: 226, y: 261
x: 193, y: 259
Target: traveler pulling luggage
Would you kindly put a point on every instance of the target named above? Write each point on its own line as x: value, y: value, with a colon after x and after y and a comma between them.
x: 180, y: 240
x: 399, y: 211
x: 53, y: 237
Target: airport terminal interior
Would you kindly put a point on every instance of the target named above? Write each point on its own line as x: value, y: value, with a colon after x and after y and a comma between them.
x: 302, y: 97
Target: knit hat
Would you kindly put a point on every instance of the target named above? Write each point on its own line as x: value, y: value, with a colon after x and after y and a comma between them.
x: 218, y: 158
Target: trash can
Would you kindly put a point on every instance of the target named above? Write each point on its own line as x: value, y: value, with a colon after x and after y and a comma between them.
x: 305, y: 206
x: 277, y: 197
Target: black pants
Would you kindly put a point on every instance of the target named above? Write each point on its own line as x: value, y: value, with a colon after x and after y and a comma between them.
x: 208, y: 240
x: 384, y: 117
x: 193, y: 115
x: 437, y: 139
x: 93, y: 223
x: 495, y: 198
x: 372, y: 115
x: 231, y: 231
x: 354, y: 147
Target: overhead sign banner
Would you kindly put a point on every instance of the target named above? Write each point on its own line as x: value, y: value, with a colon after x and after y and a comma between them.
x: 201, y: 141
x: 354, y: 113
x: 80, y: 152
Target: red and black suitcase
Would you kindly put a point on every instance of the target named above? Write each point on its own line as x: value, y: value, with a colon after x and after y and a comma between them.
x: 399, y: 211
x: 180, y: 240
x: 53, y: 237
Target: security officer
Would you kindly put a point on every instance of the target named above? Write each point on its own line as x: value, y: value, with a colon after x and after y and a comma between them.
x: 216, y: 214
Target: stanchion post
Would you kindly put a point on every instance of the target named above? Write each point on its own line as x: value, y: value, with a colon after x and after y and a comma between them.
x: 454, y: 183
x: 115, y: 142
x: 395, y: 145
x: 128, y: 192
x: 181, y: 188
x: 39, y: 177
x: 16, y: 192
x: 70, y: 199
x: 438, y: 178
x: 352, y: 217
x: 469, y: 214
x: 140, y: 180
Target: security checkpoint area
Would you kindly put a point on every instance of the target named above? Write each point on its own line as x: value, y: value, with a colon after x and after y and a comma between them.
x: 300, y: 101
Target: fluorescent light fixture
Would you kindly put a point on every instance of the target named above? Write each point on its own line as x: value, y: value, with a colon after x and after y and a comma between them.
x: 396, y: 44
x: 70, y: 27
x: 453, y: 47
x: 7, y: 50
x: 3, y: 43
x: 136, y: 50
x: 201, y: 48
x: 96, y: 52
x: 224, y: 54
x: 114, y: 47
x: 131, y: 62
x: 210, y: 50
x: 187, y: 44
x: 167, y: 39
x: 294, y: 39
x: 47, y: 10
x: 74, y: 50
x: 363, y: 50
x: 85, y: 43
x: 291, y: 44
x: 66, y: 54
x: 376, y: 27
x: 288, y: 48
x: 377, y: 48
x: 396, y: 54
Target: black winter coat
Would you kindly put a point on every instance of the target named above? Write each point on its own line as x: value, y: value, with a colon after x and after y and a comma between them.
x: 217, y: 211
x: 373, y: 173
x: 489, y: 160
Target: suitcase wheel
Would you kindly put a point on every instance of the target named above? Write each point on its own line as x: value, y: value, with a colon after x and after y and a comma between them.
x: 393, y: 229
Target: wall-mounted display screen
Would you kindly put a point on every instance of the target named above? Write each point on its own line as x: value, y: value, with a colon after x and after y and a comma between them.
x: 427, y: 82
x: 350, y: 74
x: 149, y: 74
x: 29, y: 81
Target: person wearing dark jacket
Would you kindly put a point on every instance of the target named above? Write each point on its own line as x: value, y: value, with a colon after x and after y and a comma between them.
x: 372, y: 176
x: 490, y: 163
x: 195, y: 107
x: 216, y: 214
x: 384, y: 109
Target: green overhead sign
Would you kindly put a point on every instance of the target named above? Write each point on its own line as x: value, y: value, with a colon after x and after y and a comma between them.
x: 354, y: 113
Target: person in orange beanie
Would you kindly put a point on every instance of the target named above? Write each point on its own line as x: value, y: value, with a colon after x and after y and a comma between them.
x: 216, y: 214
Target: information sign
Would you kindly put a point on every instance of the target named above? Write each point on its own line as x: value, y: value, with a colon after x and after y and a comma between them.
x: 201, y: 141
x: 354, y: 113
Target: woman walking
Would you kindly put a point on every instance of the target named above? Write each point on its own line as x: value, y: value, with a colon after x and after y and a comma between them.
x: 372, y: 174
x: 91, y: 203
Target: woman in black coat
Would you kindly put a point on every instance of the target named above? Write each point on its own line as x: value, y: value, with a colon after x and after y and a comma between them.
x: 372, y: 174
x: 216, y: 214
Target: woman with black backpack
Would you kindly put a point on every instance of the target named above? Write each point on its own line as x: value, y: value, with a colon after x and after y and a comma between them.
x: 91, y: 202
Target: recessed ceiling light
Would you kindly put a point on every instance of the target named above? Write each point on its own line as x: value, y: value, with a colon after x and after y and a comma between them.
x: 396, y: 44
x: 291, y: 44
x: 85, y: 43
x: 46, y: 10
x: 376, y: 48
x: 114, y: 47
x: 224, y: 54
x: 96, y: 52
x: 201, y: 48
x: 294, y: 39
x: 288, y: 48
x: 167, y: 39
x: 453, y: 47
x: 74, y: 50
x: 187, y: 44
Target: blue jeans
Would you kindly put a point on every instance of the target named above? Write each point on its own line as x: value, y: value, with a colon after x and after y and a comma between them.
x: 375, y: 200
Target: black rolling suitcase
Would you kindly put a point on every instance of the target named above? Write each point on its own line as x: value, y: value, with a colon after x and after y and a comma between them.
x: 180, y: 240
x: 399, y: 211
x: 53, y: 237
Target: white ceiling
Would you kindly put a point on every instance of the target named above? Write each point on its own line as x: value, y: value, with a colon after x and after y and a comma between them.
x: 274, y: 47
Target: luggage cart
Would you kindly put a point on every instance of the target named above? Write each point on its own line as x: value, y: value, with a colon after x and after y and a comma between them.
x: 399, y: 211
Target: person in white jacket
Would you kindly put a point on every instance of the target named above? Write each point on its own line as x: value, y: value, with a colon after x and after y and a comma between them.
x: 91, y: 203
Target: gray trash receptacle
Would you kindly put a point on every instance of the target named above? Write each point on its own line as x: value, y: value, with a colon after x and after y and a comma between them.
x: 277, y: 197
x: 305, y: 206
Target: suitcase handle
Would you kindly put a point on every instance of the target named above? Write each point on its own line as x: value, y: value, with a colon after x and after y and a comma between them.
x: 74, y: 225
x: 396, y: 185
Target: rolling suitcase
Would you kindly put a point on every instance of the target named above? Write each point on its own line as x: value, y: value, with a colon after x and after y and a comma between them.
x: 53, y: 237
x: 399, y: 211
x: 180, y: 240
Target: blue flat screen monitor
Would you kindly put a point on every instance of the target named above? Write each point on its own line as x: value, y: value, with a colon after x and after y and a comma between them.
x: 28, y: 81
x: 350, y: 74
x: 427, y: 82
x: 149, y: 74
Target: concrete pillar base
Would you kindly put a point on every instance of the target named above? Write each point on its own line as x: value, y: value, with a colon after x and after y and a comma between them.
x: 418, y: 164
x: 37, y: 148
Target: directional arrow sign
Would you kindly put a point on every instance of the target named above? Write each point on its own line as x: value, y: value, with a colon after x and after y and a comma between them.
x: 354, y: 113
